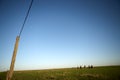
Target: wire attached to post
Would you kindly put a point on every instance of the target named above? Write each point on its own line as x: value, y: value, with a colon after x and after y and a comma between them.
x: 26, y: 18
x: 10, y: 73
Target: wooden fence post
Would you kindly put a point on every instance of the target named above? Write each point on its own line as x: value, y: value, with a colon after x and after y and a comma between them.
x: 10, y: 72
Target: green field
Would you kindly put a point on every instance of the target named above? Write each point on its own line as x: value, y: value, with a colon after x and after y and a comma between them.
x: 96, y: 73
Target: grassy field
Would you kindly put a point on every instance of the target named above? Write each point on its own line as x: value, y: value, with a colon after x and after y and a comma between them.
x: 97, y: 73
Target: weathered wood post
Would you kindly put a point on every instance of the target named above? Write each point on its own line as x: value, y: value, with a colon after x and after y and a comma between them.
x: 10, y: 72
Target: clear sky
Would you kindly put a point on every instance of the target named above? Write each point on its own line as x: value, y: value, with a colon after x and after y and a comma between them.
x: 60, y: 33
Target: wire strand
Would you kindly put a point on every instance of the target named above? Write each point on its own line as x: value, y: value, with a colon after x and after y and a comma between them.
x: 26, y: 18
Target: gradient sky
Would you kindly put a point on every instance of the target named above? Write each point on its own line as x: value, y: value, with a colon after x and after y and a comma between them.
x: 60, y: 33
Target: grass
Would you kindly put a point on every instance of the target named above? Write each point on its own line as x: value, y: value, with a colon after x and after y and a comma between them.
x: 97, y: 73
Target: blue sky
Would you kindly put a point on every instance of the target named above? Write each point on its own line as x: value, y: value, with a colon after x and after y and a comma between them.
x: 60, y: 33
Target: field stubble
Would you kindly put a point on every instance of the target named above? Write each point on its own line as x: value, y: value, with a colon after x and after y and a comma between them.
x: 97, y: 73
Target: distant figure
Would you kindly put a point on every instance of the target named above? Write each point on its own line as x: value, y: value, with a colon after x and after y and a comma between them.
x: 80, y: 67
x: 91, y: 66
x: 84, y: 66
x: 77, y: 67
